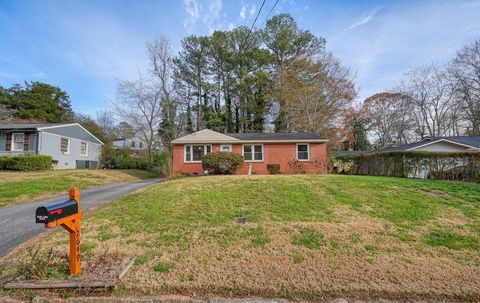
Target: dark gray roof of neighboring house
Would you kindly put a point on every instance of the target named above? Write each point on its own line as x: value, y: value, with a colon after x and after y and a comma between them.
x: 466, y: 140
x: 30, y: 126
x: 276, y: 136
x: 400, y: 147
x: 350, y: 152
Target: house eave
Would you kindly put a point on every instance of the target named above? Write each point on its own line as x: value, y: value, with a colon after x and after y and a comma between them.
x: 442, y: 140
x: 247, y: 141
x: 70, y: 124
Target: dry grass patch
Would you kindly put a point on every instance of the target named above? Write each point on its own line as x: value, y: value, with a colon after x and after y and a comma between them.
x: 305, y: 237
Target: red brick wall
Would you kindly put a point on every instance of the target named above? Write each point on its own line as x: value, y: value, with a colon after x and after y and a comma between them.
x: 274, y: 153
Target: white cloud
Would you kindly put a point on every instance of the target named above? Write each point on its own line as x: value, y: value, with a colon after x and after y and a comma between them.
x: 242, y: 12
x: 6, y: 75
x: 213, y: 10
x: 192, y: 9
x: 247, y: 9
x: 363, y: 19
x: 253, y: 10
x: 401, y: 38
x: 203, y: 14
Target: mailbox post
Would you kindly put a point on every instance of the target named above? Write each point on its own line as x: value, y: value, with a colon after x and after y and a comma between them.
x: 66, y: 214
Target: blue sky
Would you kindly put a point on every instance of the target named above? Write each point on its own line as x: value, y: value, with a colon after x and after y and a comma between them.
x: 85, y: 46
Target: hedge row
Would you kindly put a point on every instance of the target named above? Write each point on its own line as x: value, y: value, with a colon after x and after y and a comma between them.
x: 25, y: 163
x: 458, y: 166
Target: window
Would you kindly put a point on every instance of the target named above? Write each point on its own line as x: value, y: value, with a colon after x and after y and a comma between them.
x: 194, y: 153
x: 253, y: 152
x: 17, y: 141
x: 226, y: 148
x: 303, y: 152
x: 84, y: 149
x: 65, y: 145
x: 133, y: 144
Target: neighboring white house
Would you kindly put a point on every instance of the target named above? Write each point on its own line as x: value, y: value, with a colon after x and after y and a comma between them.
x: 435, y: 144
x: 69, y: 144
x: 440, y: 145
x: 133, y: 143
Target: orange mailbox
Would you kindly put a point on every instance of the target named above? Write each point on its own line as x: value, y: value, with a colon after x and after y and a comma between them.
x: 66, y: 214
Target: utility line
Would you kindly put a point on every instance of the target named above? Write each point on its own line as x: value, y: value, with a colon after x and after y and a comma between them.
x: 258, y: 14
x: 253, y: 24
x: 273, y: 7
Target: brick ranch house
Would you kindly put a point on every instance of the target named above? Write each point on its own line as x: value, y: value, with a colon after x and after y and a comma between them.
x: 258, y: 150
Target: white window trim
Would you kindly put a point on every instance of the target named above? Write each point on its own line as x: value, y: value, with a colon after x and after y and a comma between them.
x: 308, y: 151
x: 229, y: 146
x: 68, y: 146
x: 13, y: 142
x: 86, y: 149
x: 191, y: 152
x: 12, y: 148
x: 253, y: 152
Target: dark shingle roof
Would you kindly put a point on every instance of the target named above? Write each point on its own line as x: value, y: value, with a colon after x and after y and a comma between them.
x: 29, y: 126
x: 467, y: 140
x: 350, y: 152
x: 471, y: 141
x: 276, y: 136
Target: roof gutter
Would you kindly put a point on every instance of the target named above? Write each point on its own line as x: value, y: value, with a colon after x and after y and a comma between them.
x: 247, y: 141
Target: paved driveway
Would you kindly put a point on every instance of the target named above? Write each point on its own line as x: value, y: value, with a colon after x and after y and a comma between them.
x: 17, y: 223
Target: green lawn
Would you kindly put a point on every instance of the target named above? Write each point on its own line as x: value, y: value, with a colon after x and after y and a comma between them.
x: 21, y: 187
x: 306, y: 237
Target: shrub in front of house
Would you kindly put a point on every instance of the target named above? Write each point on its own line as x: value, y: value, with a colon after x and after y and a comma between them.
x: 124, y: 159
x: 273, y: 169
x: 26, y: 163
x: 296, y: 166
x: 222, y: 163
x: 164, y: 165
x: 3, y: 162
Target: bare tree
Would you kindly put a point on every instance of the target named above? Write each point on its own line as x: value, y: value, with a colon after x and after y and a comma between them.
x: 160, y: 55
x: 6, y: 114
x: 316, y: 92
x: 161, y: 68
x: 390, y: 117
x: 432, y: 96
x: 465, y: 71
x: 139, y: 104
x: 105, y: 120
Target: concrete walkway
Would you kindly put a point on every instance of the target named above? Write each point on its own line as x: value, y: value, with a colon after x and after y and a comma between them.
x: 17, y: 223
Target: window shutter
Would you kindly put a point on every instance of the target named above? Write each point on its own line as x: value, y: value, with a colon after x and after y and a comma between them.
x: 26, y: 142
x: 32, y: 145
x: 3, y: 142
x: 9, y: 142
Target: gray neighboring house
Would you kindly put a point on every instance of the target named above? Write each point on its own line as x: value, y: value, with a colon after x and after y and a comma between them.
x: 69, y: 144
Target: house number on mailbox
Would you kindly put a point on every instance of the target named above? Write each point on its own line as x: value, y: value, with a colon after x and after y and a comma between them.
x: 66, y: 214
